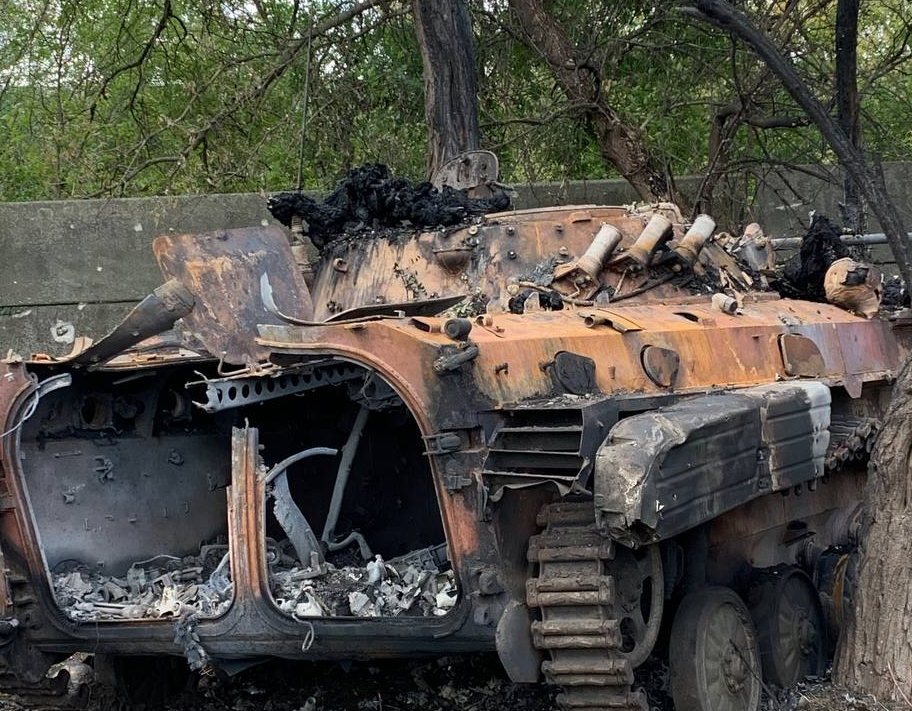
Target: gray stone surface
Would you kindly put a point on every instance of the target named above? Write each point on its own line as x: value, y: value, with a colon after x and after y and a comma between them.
x: 80, y: 251
x: 87, y: 262
x: 784, y: 200
x: 32, y: 329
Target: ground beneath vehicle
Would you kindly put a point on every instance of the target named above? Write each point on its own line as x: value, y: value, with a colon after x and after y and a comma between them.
x: 609, y: 445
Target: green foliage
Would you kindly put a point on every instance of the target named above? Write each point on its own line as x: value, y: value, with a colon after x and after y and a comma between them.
x: 119, y: 97
x: 123, y: 97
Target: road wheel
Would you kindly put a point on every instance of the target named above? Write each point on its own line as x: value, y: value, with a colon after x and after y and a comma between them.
x: 640, y: 597
x: 714, y: 659
x: 791, y: 626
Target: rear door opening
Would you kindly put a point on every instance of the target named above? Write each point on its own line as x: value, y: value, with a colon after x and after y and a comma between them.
x: 126, y: 477
x: 352, y: 523
x: 126, y: 487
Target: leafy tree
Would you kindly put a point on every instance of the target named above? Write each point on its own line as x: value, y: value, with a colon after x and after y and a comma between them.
x: 114, y: 97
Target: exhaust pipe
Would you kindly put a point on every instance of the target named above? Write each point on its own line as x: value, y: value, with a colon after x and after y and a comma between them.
x: 581, y: 276
x: 656, y: 233
x: 691, y: 245
x: 603, y: 244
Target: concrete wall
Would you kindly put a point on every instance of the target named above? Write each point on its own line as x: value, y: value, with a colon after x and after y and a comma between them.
x: 784, y: 199
x: 86, y: 263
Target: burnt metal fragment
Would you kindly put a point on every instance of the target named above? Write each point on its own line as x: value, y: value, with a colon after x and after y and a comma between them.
x: 293, y: 522
x: 287, y: 513
x: 455, y: 357
x: 223, y: 271
x: 156, y: 313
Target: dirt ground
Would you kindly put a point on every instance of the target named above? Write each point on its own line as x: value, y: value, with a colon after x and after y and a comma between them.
x: 470, y: 683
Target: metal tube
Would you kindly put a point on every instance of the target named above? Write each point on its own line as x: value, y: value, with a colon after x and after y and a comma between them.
x: 603, y: 244
x: 656, y: 233
x: 692, y: 243
x: 872, y: 238
x: 345, y: 465
x: 285, y: 463
x: 353, y: 537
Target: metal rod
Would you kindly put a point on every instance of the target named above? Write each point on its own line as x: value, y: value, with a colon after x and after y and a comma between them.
x: 285, y: 463
x: 345, y: 465
x: 872, y: 238
x: 353, y: 537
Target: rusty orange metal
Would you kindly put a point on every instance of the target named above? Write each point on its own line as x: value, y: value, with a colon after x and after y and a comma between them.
x: 553, y: 369
x: 716, y: 350
x: 492, y: 258
x: 223, y: 271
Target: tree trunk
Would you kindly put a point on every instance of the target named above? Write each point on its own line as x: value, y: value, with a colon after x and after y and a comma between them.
x: 875, y: 654
x: 579, y: 76
x: 847, y: 104
x: 444, y: 29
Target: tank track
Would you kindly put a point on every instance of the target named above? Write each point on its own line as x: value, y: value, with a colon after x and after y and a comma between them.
x: 579, y: 628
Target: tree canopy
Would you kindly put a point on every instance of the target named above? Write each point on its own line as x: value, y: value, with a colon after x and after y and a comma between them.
x: 125, y: 98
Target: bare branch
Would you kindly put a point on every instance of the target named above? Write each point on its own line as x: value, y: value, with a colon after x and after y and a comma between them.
x: 725, y: 16
x: 138, y: 62
x: 581, y: 81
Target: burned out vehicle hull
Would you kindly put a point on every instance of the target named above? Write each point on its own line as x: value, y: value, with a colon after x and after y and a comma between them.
x: 585, y: 467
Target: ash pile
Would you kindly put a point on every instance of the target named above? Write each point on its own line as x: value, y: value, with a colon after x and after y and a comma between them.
x: 420, y: 584
x: 161, y: 587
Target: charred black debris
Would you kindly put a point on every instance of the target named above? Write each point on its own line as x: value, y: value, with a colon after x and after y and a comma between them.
x: 803, y: 274
x: 371, y: 197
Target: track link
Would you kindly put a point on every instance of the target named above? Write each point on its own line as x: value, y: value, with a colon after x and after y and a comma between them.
x: 575, y: 594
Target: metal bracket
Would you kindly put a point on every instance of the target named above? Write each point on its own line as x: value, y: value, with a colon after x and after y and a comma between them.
x: 442, y: 443
x: 453, y: 358
x: 764, y: 477
x: 229, y: 393
x: 104, y: 468
x: 456, y: 476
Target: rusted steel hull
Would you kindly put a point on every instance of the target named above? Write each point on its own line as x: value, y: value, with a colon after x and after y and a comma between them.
x: 506, y: 248
x: 721, y: 351
x: 715, y: 350
x: 477, y: 425
x: 252, y: 627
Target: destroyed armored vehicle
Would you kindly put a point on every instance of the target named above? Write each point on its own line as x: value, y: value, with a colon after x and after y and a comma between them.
x: 578, y: 436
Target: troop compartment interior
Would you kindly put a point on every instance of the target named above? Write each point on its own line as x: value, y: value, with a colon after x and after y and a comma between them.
x: 126, y: 475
